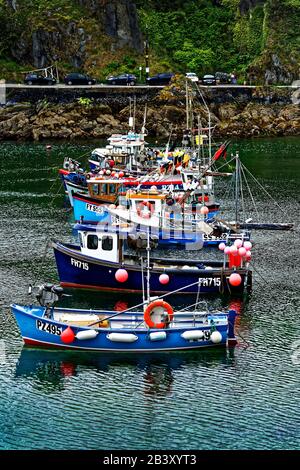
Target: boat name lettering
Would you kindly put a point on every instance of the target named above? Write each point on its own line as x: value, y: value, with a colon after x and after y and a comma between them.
x: 170, y: 187
x: 212, y: 237
x: 79, y: 264
x: 209, y: 281
x: 92, y: 208
x: 48, y: 327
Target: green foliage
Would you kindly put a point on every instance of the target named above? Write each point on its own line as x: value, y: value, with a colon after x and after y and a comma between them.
x: 204, y: 36
x: 184, y: 35
x: 195, y: 59
x: 86, y: 102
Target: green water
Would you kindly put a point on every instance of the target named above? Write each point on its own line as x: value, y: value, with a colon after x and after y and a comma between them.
x: 243, y: 399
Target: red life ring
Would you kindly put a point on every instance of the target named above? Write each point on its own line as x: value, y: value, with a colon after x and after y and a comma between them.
x: 140, y: 209
x: 151, y: 307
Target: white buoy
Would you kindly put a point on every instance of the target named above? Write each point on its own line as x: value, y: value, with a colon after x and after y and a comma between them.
x: 157, y: 335
x: 192, y: 335
x: 86, y: 334
x: 216, y: 337
x: 122, y: 337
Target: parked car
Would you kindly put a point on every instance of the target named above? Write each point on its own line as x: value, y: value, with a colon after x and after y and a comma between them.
x: 222, y: 77
x: 79, y: 79
x: 208, y: 80
x: 124, y: 79
x: 192, y: 76
x: 35, y: 79
x: 160, y: 79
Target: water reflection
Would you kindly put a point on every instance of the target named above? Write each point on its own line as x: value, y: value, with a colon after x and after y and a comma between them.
x: 48, y: 370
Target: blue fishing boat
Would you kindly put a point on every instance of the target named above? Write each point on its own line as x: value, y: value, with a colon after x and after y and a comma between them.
x: 103, y: 191
x: 154, y: 328
x: 99, y: 262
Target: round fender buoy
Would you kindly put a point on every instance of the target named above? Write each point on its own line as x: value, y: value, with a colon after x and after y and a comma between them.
x: 242, y: 251
x: 164, y: 279
x: 121, y: 275
x: 222, y: 246
x: 216, y: 337
x: 235, y: 279
x: 233, y: 250
x: 149, y: 310
x: 204, y: 210
x: 67, y: 335
x: 238, y: 243
x: 247, y: 245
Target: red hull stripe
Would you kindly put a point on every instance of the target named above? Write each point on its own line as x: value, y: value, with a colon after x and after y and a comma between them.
x: 111, y: 289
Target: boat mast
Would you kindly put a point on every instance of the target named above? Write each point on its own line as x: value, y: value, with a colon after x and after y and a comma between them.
x: 237, y: 187
x: 148, y: 264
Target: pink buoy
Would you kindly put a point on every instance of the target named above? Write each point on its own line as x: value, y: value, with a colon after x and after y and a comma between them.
x: 227, y: 250
x: 233, y: 250
x: 248, y: 255
x: 238, y: 243
x: 121, y: 275
x: 67, y: 336
x: 222, y: 246
x: 164, y: 279
x: 235, y: 279
x: 113, y: 173
x: 247, y: 245
x: 204, y: 210
x: 242, y: 251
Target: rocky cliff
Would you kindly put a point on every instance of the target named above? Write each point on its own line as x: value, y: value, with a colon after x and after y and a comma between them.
x: 261, y: 112
x: 75, y: 34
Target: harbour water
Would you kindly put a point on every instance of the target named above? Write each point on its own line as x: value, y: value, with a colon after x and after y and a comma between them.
x: 246, y: 398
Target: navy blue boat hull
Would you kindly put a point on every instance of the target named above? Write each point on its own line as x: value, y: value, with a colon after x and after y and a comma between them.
x: 80, y: 271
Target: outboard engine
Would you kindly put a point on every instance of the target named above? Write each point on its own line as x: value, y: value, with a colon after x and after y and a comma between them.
x: 72, y: 165
x: 47, y: 294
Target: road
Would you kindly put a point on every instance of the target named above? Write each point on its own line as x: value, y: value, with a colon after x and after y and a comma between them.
x: 105, y: 87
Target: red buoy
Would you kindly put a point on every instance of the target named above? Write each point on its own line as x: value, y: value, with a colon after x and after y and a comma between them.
x: 67, y: 335
x: 164, y: 279
x: 235, y: 279
x: 121, y: 275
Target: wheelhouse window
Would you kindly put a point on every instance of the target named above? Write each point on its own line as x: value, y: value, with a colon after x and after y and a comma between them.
x: 92, y: 242
x: 107, y: 243
x: 112, y: 189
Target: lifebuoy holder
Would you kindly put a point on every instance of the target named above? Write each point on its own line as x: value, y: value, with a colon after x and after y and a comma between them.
x: 140, y: 209
x: 149, y: 309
